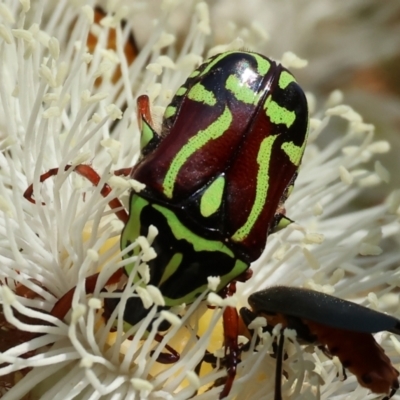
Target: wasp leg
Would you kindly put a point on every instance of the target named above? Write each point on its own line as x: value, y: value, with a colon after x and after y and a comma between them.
x: 167, y: 358
x: 232, y: 352
x: 278, y: 369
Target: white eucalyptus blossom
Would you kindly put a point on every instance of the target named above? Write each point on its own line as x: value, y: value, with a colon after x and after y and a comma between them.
x: 54, y: 112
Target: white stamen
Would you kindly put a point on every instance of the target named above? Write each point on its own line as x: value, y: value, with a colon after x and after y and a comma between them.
x: 193, y: 379
x: 166, y: 39
x: 156, y: 68
x: 290, y: 60
x: 203, y: 13
x: 144, y: 272
x: 6, y: 34
x: 113, y: 147
x: 145, y: 297
x: 334, y: 99
x: 173, y: 319
x: 6, y: 13
x: 213, y: 282
x: 141, y: 384
x: 78, y: 312
x: 152, y: 233
x: 23, y: 34
x: 318, y: 209
x: 156, y: 295
x: 382, y: 172
x: 88, y: 12
x: 95, y: 304
x: 214, y: 300
x: 312, y: 261
x: 93, y: 255
x: 367, y: 249
x: 379, y: 147
x: 258, y: 322
x: 81, y: 158
x: 136, y: 185
x: 313, y: 238
x: 345, y: 175
x: 54, y: 47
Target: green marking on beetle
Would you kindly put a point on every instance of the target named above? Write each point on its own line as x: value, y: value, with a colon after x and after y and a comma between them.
x: 263, y: 65
x: 212, y: 197
x: 282, y: 224
x: 195, y: 143
x: 171, y: 267
x: 131, y: 230
x: 285, y: 79
x: 237, y: 270
x: 289, y: 190
x: 194, y: 73
x: 170, y: 111
x: 263, y: 160
x: 181, y: 232
x: 293, y: 152
x: 241, y: 92
x: 146, y: 134
x: 200, y: 94
x: 181, y: 91
x: 215, y: 61
x: 278, y: 114
x: 239, y: 267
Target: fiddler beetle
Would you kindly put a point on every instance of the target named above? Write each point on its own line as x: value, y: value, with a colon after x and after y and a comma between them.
x: 216, y: 179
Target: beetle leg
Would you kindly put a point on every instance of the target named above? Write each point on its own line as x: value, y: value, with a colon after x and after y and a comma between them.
x: 91, y: 175
x: 63, y: 305
x: 232, y: 353
x: 51, y: 172
x: 244, y: 277
x: 281, y: 221
x: 149, y: 138
x: 123, y: 171
x: 109, y: 306
x: 143, y: 110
